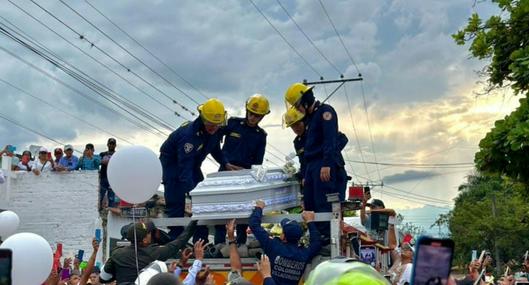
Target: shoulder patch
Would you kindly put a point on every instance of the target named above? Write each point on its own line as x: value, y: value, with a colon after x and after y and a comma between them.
x: 188, y: 147
x: 327, y: 116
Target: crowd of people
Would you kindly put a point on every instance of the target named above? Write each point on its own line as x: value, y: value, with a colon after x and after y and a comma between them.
x: 64, y: 160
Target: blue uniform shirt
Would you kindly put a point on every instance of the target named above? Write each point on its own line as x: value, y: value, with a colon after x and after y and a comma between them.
x: 287, y: 260
x: 184, y: 151
x: 244, y: 146
x: 299, y: 146
x: 322, y: 136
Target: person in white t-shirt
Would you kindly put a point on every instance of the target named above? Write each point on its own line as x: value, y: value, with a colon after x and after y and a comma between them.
x: 401, y: 270
x: 43, y: 163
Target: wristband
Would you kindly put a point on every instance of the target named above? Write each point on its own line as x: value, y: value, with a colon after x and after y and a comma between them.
x: 230, y: 242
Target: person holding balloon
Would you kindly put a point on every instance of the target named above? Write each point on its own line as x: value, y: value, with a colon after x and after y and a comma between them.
x: 182, y: 155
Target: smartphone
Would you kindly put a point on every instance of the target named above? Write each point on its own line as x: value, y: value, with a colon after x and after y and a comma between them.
x: 80, y: 255
x: 432, y: 261
x: 367, y: 191
x: 98, y: 235
x: 474, y: 255
x: 6, y: 264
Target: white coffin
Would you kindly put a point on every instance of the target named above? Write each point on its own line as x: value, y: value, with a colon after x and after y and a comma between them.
x: 232, y: 194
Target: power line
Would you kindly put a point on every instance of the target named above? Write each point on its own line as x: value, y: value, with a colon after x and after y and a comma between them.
x: 349, y: 108
x: 3, y: 116
x: 361, y: 83
x: 86, y: 54
x: 416, y: 195
x: 155, y: 57
x: 91, y: 85
x: 62, y: 111
x: 420, y: 165
x: 308, y: 38
x: 92, y: 44
x: 114, y: 95
x: 340, y: 37
x: 76, y: 90
x: 147, y: 50
x: 128, y: 52
x: 285, y: 39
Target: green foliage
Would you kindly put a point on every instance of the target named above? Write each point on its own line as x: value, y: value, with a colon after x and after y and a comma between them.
x: 473, y: 225
x: 505, y: 149
x: 503, y: 40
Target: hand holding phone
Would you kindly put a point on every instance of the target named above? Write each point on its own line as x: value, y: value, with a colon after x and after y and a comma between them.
x: 433, y: 261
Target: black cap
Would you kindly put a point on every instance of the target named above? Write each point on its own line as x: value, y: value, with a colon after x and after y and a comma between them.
x: 376, y: 203
x: 141, y: 232
x: 111, y: 140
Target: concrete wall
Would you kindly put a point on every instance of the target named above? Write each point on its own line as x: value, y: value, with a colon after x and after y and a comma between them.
x: 61, y: 207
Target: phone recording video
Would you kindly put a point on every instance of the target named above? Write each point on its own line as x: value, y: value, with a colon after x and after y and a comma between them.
x: 6, y: 258
x: 433, y: 261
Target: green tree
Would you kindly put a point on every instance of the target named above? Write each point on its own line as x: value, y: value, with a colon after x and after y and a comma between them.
x: 473, y: 224
x: 442, y: 220
x: 503, y: 41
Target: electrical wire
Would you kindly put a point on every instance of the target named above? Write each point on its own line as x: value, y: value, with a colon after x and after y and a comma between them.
x: 285, y: 40
x: 91, y: 57
x: 64, y: 112
x: 421, y: 165
x: 147, y: 50
x: 309, y: 39
x: 349, y: 108
x: 97, y: 89
x: 14, y: 122
x: 361, y: 83
x: 128, y: 52
x: 116, y: 96
x: 92, y: 44
x: 77, y: 91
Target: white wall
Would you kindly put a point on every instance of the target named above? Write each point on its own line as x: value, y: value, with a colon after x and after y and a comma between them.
x: 61, y: 207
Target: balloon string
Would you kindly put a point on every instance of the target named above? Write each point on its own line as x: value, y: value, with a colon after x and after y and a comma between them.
x: 135, y: 242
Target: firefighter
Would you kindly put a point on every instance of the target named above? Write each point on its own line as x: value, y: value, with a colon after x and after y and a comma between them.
x: 182, y: 155
x: 325, y: 172
x: 244, y: 146
x: 294, y: 119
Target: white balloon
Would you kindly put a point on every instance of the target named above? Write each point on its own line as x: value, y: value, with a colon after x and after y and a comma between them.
x: 9, y: 222
x: 134, y: 173
x: 32, y: 258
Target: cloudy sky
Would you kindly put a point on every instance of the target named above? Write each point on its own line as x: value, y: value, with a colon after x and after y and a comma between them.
x: 420, y: 106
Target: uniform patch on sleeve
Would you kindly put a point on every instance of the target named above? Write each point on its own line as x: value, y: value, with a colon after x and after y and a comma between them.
x: 327, y: 116
x: 188, y: 147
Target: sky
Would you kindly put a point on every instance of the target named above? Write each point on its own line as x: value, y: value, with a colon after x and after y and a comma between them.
x: 419, y: 101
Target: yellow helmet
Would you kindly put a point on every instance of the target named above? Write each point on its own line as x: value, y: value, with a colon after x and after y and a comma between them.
x: 258, y: 104
x: 212, y: 111
x: 295, y: 92
x: 345, y: 271
x: 291, y: 117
